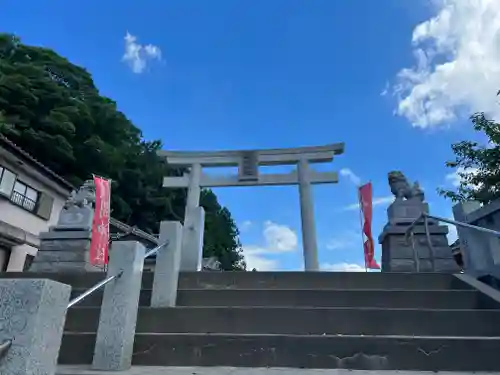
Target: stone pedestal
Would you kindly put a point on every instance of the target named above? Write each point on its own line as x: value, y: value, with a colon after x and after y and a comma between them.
x: 398, y: 253
x: 64, y: 251
x: 65, y: 247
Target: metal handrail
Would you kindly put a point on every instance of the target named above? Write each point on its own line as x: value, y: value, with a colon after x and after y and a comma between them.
x: 4, y: 347
x: 426, y: 217
x: 102, y: 283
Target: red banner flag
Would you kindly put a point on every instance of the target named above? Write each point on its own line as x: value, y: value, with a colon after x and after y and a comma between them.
x: 100, y: 226
x: 365, y: 204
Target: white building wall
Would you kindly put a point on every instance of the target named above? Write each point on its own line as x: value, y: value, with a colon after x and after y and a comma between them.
x: 21, y: 218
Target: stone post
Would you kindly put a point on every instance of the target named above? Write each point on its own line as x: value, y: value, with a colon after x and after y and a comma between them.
x: 17, y: 258
x: 168, y: 261
x: 32, y: 315
x: 193, y: 196
x: 117, y: 322
x: 309, y: 244
x: 192, y: 239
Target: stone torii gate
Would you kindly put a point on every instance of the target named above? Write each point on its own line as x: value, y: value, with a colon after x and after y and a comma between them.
x: 248, y: 163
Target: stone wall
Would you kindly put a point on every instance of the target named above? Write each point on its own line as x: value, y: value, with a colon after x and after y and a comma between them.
x: 480, y: 251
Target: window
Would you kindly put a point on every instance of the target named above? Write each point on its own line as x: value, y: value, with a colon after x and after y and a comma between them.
x: 24, y: 196
x: 7, y: 180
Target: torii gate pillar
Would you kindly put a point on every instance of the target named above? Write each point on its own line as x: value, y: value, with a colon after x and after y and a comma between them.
x: 248, y: 163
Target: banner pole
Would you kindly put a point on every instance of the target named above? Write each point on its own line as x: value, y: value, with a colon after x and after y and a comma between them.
x: 361, y: 226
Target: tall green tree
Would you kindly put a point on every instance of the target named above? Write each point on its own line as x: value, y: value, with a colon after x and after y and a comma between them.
x: 477, y: 164
x: 51, y: 108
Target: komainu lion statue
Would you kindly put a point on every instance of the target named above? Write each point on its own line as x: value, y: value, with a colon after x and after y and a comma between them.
x: 83, y: 197
x: 402, y: 189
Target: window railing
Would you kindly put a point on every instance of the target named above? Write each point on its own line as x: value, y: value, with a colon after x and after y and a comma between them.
x: 23, y: 201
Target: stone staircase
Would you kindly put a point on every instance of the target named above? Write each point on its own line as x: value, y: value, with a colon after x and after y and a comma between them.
x: 373, y: 321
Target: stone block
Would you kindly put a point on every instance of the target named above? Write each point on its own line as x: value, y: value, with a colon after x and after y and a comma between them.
x: 118, y: 318
x: 400, y: 265
x: 65, y: 245
x: 443, y: 252
x: 32, y: 315
x: 192, y: 239
x: 64, y: 267
x: 405, y: 212
x: 168, y: 260
x: 61, y: 256
x: 55, y: 234
x: 400, y: 231
x: 446, y: 265
x: 407, y: 265
x: 76, y: 218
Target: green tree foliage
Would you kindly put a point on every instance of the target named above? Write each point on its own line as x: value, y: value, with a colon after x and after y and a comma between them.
x: 52, y: 109
x: 478, y: 165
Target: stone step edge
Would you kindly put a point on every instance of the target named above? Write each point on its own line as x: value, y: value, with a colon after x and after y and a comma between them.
x: 224, y: 370
x: 310, y: 290
x: 256, y: 335
x: 286, y: 308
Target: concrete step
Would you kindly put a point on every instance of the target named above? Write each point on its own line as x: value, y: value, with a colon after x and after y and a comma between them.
x: 170, y: 370
x: 429, y: 299
x: 276, y: 280
x: 324, y: 351
x: 443, y: 299
x: 319, y: 280
x: 301, y: 321
x: 95, y: 299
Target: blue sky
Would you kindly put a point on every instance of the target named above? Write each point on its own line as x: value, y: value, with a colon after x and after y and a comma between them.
x: 395, y: 80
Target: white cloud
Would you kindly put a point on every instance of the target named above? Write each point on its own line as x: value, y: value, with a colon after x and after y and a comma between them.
x: 246, y: 225
x: 339, y: 243
x: 278, y: 239
x: 346, y: 240
x: 346, y: 172
x: 255, y: 258
x: 380, y: 201
x: 459, y: 175
x: 342, y: 267
x: 137, y: 56
x: 458, y: 64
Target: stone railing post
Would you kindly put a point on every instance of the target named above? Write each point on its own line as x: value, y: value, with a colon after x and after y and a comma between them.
x: 117, y: 322
x: 32, y: 315
x: 168, y: 261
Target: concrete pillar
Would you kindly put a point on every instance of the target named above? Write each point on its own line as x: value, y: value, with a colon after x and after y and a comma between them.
x: 117, y: 322
x: 192, y: 239
x: 32, y: 314
x: 4, y: 259
x: 309, y: 244
x: 474, y: 244
x: 17, y: 259
x: 168, y: 261
x: 194, y: 190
